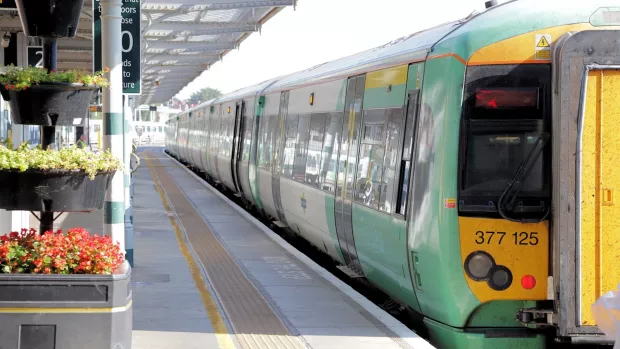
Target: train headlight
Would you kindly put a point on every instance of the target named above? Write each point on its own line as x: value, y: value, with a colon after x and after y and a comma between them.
x: 478, y: 265
x: 501, y: 278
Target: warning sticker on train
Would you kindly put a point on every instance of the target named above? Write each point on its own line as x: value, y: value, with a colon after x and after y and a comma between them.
x: 542, y: 47
x: 449, y: 203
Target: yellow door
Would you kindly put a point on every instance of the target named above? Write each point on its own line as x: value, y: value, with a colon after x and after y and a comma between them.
x: 600, y: 190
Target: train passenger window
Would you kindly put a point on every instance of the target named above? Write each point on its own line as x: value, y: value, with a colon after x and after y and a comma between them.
x: 212, y: 133
x: 288, y: 155
x: 217, y: 137
x: 230, y: 129
x: 368, y: 185
x: 263, y: 147
x: 274, y: 122
x: 315, y: 143
x: 369, y: 172
x: 223, y: 136
x: 301, y: 148
x: 329, y: 153
x: 395, y: 116
x: 247, y: 134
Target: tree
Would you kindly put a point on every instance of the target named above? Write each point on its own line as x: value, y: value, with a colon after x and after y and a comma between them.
x: 204, y: 95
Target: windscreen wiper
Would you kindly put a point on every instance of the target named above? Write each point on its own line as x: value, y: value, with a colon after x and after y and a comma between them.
x: 514, y: 187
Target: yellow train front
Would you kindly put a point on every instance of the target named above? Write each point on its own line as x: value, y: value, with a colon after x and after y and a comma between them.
x: 537, y: 176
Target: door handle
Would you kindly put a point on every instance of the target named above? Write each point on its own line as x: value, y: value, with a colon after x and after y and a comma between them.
x: 417, y: 279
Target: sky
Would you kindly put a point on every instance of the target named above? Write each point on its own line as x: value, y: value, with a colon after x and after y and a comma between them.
x: 319, y: 31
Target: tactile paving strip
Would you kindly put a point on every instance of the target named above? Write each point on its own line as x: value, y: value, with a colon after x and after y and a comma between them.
x: 254, y: 322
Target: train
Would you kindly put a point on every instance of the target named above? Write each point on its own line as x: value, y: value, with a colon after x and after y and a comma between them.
x: 458, y: 169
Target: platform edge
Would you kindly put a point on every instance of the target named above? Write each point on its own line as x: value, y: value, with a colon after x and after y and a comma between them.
x: 401, y: 330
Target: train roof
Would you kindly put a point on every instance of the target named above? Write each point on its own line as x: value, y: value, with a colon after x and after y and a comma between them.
x: 246, y: 91
x: 517, y: 17
x: 410, y: 47
x: 463, y: 37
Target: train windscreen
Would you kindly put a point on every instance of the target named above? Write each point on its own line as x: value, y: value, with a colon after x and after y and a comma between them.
x: 504, y: 129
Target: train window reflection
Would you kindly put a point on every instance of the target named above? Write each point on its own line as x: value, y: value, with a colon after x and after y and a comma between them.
x: 329, y: 153
x: 369, y: 173
x: 315, y: 143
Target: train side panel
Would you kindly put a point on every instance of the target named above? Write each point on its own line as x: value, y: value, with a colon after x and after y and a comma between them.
x: 308, y: 209
x: 204, y: 136
x: 267, y: 140
x: 179, y: 136
x: 432, y: 236
x: 194, y: 150
x: 183, y: 138
x: 198, y: 125
x: 215, y: 138
x: 259, y: 105
x: 379, y: 227
x: 174, y: 132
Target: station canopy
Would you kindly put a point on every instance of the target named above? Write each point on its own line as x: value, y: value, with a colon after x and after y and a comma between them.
x: 180, y: 39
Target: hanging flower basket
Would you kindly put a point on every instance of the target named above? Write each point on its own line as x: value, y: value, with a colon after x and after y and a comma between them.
x: 66, y: 180
x: 54, y: 191
x: 49, y: 105
x: 54, y: 99
x: 50, y: 18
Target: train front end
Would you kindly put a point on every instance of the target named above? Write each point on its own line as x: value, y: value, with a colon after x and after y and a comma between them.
x: 538, y: 178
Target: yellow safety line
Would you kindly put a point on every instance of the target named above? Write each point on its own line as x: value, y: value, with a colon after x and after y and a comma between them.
x: 65, y: 310
x: 221, y: 332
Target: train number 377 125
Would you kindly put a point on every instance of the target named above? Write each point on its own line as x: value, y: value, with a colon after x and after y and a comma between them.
x: 501, y: 237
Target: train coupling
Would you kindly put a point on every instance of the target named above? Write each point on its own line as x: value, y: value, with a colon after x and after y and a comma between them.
x: 536, y: 317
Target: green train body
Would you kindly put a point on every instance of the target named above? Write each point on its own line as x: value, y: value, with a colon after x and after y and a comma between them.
x: 366, y: 157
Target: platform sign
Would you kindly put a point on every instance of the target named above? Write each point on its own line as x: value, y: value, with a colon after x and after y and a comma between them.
x: 35, y: 56
x: 8, y: 5
x: 131, y: 35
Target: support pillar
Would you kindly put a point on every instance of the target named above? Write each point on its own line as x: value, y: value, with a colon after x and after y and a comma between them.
x: 113, y: 214
x: 127, y: 116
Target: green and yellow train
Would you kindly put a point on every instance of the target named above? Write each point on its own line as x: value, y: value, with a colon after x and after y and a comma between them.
x: 459, y: 169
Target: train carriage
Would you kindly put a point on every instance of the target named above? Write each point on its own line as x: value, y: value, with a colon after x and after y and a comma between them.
x: 459, y: 169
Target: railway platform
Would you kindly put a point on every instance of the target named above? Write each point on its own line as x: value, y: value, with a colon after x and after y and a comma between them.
x: 209, y: 275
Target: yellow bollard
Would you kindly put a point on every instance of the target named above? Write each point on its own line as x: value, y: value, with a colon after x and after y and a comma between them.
x: 99, y: 138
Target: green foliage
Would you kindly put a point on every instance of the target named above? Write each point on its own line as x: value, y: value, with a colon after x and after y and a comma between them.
x: 18, y: 78
x: 204, y: 95
x: 67, y: 159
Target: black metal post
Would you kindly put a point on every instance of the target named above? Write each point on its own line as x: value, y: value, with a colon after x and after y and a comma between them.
x: 47, y: 222
x: 49, y: 54
x: 48, y: 133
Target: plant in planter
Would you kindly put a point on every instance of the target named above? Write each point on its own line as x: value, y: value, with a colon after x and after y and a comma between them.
x: 70, y: 179
x: 39, y: 97
x: 89, y: 282
x: 77, y: 252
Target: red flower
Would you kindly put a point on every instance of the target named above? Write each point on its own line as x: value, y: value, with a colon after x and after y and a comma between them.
x: 76, y: 252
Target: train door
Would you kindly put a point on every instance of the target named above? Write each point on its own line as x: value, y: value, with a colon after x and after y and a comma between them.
x: 405, y: 179
x: 345, y: 180
x: 237, y: 145
x: 277, y: 158
x: 586, y: 178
